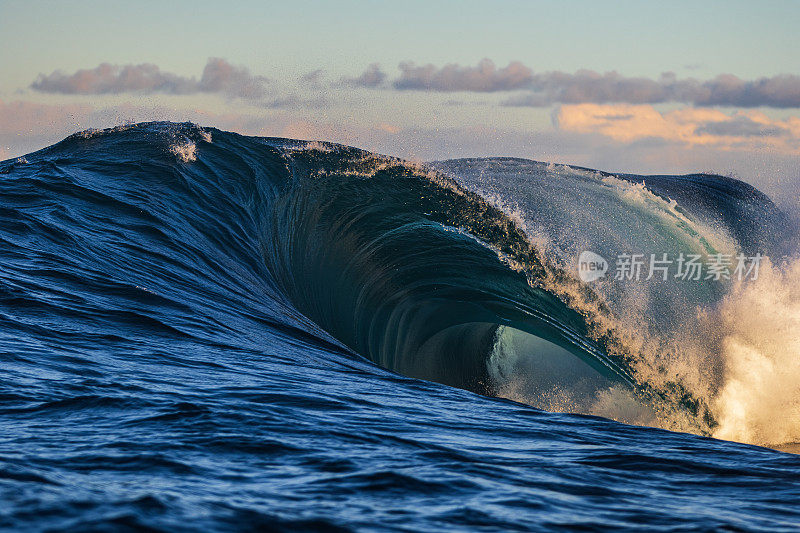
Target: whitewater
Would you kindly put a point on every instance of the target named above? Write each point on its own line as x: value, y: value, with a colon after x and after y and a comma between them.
x: 200, y: 329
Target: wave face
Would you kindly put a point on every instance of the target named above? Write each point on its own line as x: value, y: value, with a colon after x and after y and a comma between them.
x: 224, y: 331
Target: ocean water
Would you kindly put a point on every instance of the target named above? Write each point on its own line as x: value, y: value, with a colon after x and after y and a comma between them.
x: 206, y: 331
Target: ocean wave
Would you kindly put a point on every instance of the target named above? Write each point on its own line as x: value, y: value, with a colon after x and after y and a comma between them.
x: 424, y: 271
x: 170, y: 278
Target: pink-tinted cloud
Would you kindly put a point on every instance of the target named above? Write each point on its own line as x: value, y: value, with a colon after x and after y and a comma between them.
x: 534, y: 89
x: 218, y: 76
x: 113, y: 79
x: 485, y: 77
x: 780, y: 91
x: 587, y: 86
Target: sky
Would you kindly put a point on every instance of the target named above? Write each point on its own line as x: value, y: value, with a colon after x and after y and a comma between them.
x: 629, y: 86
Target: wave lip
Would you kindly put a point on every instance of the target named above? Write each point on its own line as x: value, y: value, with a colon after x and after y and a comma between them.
x: 412, y: 270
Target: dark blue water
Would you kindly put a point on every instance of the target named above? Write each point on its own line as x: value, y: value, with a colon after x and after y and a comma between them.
x: 200, y: 330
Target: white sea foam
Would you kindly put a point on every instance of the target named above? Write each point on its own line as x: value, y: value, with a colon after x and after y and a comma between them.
x: 185, y: 150
x: 759, y: 401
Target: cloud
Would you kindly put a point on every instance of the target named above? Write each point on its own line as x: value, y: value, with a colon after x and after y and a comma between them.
x: 372, y: 77
x: 485, y: 77
x: 587, y: 86
x: 218, y: 76
x: 534, y: 89
x: 690, y: 126
x: 113, y: 79
x: 782, y: 91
